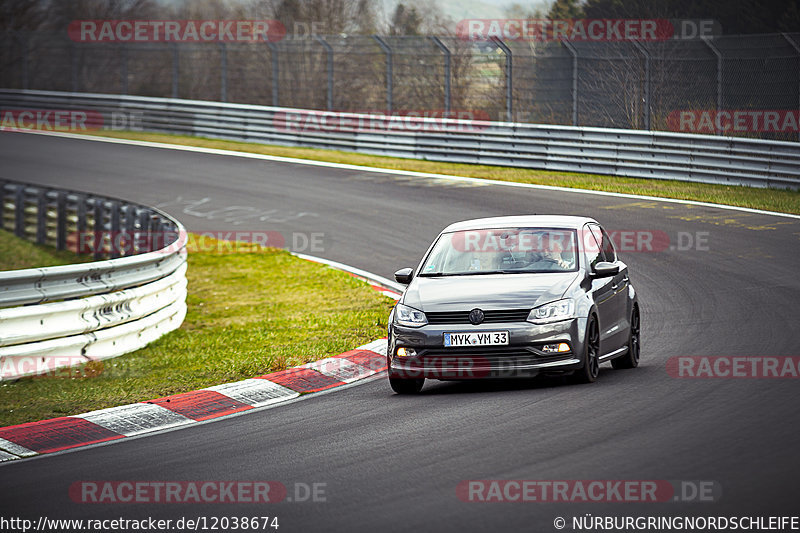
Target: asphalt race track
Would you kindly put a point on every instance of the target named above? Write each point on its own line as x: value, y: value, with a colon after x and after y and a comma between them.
x: 391, y: 463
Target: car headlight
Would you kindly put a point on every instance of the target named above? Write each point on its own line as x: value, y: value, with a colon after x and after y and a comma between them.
x: 408, y: 316
x: 552, y: 312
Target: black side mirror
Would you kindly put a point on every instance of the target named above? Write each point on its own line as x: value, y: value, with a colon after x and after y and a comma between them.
x: 604, y: 269
x: 404, y: 275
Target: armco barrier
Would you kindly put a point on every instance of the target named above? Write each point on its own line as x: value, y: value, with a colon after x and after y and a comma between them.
x: 61, y: 316
x: 626, y: 153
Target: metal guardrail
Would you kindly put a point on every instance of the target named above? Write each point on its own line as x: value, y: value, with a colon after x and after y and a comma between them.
x: 617, y: 152
x: 61, y: 316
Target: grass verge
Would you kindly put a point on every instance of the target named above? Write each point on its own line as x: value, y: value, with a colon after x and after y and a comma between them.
x: 768, y: 199
x: 251, y: 311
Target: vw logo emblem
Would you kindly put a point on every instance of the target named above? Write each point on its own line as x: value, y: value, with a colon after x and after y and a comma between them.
x: 476, y: 316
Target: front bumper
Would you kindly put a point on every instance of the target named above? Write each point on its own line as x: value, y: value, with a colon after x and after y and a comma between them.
x: 522, y: 357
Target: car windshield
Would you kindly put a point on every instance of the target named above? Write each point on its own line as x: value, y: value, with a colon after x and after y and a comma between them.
x: 506, y: 251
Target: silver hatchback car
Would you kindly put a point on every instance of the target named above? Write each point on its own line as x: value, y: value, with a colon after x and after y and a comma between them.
x: 514, y: 297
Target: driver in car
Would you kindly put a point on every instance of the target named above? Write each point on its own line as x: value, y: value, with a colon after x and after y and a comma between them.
x: 549, y: 256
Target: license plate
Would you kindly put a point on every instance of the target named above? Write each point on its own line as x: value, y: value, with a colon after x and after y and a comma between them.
x: 479, y: 338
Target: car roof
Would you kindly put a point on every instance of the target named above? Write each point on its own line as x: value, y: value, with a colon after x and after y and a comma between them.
x: 520, y: 221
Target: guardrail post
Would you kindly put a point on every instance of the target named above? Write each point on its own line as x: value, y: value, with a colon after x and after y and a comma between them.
x: 574, y: 53
x: 114, y: 233
x: 41, y: 216
x: 156, y: 229
x: 796, y: 49
x: 80, y: 223
x: 509, y: 71
x: 719, y: 81
x: 329, y: 54
x: 130, y: 229
x: 389, y: 71
x: 144, y: 229
x: 646, y: 55
x: 175, y: 69
x: 446, y: 52
x: 19, y: 212
x: 99, y: 223
x: 223, y: 81
x: 61, y: 220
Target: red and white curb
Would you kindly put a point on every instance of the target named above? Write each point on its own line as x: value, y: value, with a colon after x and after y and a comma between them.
x: 64, y: 433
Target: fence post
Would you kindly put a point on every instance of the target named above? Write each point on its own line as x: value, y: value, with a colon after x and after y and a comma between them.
x: 389, y: 69
x: 175, y: 69
x: 446, y: 51
x: 719, y: 81
x: 273, y: 52
x: 223, y: 80
x: 797, y: 49
x: 24, y: 39
x: 329, y: 53
x: 646, y: 55
x: 509, y: 70
x: 574, y: 53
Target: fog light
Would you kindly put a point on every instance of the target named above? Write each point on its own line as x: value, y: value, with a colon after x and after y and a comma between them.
x: 561, y: 347
x: 406, y: 352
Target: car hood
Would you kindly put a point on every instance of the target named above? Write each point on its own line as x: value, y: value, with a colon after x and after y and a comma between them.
x: 493, y: 291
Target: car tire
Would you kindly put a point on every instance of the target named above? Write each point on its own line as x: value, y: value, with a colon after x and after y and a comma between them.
x: 406, y: 386
x: 591, y: 354
x: 631, y: 358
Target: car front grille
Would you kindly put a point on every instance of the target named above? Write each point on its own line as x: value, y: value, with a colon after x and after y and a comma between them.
x: 490, y: 317
x: 506, y: 356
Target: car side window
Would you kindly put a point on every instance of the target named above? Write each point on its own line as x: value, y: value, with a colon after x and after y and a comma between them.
x: 600, y: 247
x: 592, y: 236
x: 608, y: 247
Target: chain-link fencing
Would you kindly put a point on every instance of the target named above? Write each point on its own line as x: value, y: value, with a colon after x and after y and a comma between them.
x: 733, y: 85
